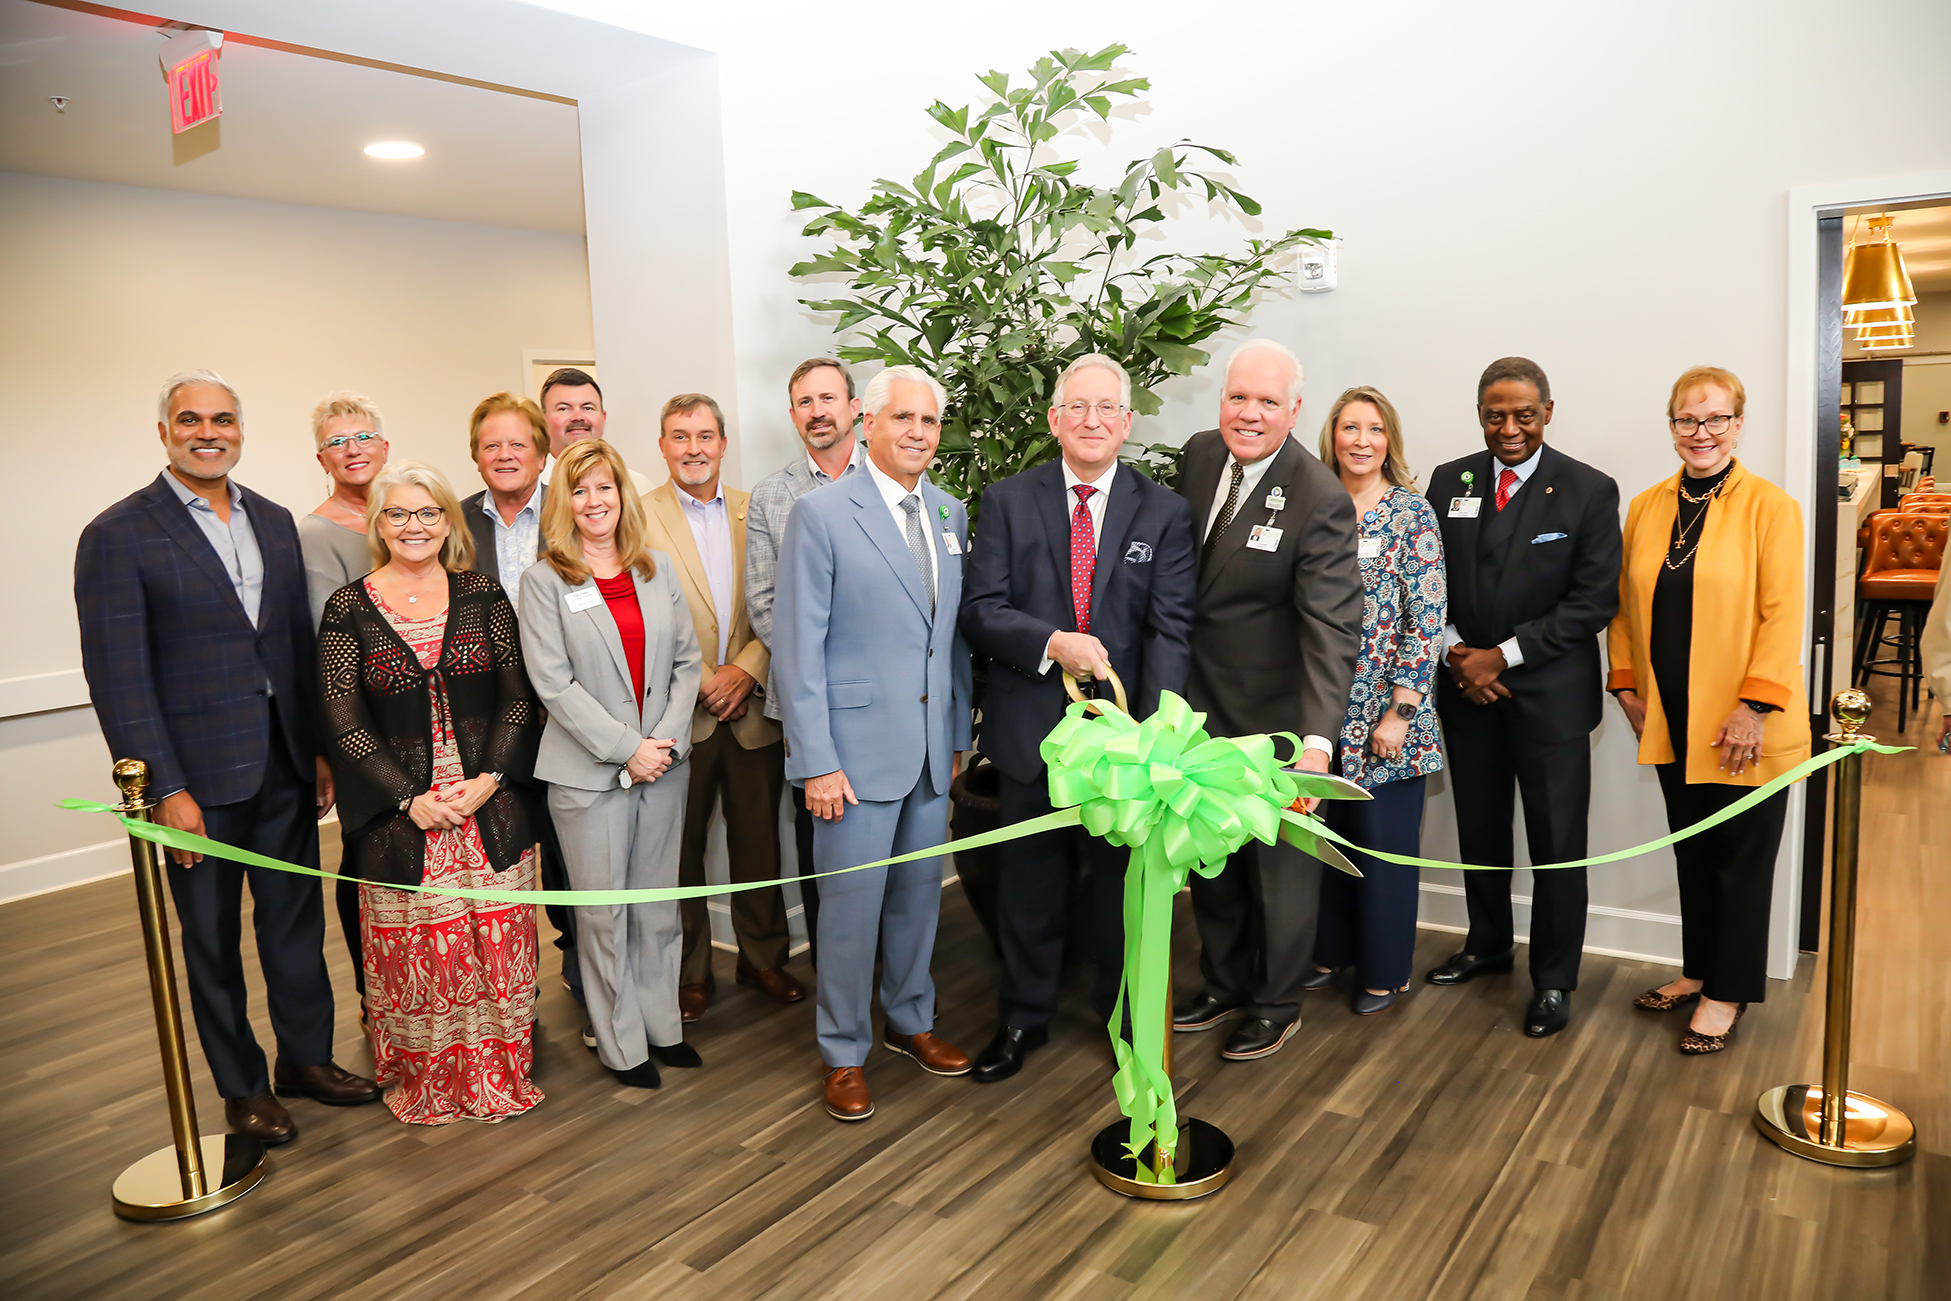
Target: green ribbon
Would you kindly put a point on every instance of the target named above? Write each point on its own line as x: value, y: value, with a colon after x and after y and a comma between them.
x: 1180, y: 800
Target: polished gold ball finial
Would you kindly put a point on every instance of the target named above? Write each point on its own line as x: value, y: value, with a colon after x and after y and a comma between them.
x: 1850, y: 708
x: 131, y: 778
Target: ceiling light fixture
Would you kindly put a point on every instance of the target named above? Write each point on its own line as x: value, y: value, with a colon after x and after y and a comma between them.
x: 1873, y: 272
x: 393, y: 149
x: 1887, y: 345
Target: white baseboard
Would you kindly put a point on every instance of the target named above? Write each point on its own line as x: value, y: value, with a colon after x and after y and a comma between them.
x: 49, y: 872
x: 1611, y: 932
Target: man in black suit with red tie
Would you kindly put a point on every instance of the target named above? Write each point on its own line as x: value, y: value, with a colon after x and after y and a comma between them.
x: 1531, y: 548
x: 1081, y: 564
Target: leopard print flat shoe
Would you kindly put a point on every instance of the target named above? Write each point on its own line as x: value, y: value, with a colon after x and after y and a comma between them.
x: 1654, y: 1001
x: 1695, y: 1044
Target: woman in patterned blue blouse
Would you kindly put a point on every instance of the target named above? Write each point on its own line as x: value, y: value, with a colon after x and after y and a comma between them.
x: 1388, y: 740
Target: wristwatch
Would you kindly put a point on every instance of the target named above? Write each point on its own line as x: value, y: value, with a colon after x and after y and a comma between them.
x: 1758, y: 707
x: 1405, y: 710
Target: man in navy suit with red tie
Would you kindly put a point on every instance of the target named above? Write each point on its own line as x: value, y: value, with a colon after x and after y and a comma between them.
x: 1081, y: 564
x: 196, y: 639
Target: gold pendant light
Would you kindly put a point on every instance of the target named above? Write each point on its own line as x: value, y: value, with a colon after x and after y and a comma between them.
x: 1873, y: 273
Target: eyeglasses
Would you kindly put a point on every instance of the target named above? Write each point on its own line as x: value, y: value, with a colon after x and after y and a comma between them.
x: 337, y: 441
x: 397, y: 516
x: 1685, y: 425
x: 1105, y: 410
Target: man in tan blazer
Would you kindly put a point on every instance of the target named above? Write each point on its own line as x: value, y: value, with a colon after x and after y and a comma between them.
x: 736, y: 751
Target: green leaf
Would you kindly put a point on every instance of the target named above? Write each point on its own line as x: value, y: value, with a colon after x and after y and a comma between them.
x: 1166, y: 165
x: 801, y: 199
x: 1181, y: 358
x: 998, y: 83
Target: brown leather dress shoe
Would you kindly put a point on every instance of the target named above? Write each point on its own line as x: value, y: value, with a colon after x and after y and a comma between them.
x: 330, y: 1084
x: 775, y: 983
x: 692, y: 1001
x: 936, y: 1056
x: 261, y: 1117
x: 846, y: 1094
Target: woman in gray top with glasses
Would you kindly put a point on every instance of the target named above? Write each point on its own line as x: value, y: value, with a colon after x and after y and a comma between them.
x: 352, y: 450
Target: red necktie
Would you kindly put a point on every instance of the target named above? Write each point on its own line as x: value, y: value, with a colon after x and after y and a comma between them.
x: 1083, y: 556
x: 1506, y: 485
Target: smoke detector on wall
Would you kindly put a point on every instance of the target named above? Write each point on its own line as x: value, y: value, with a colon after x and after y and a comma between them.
x: 1320, y: 267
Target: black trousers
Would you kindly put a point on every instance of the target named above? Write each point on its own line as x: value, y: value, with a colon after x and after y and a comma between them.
x: 1489, y: 754
x: 288, y: 916
x: 1370, y: 923
x: 1256, y: 928
x: 809, y: 888
x: 1727, y: 881
x: 1033, y: 910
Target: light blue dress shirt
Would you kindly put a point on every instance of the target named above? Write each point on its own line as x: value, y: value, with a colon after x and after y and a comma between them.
x: 235, y: 543
x: 516, y: 544
x: 711, y: 529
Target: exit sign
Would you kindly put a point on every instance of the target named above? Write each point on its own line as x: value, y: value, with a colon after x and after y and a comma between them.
x: 195, y: 95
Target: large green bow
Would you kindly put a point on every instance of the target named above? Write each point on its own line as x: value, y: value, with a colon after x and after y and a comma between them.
x: 1182, y: 802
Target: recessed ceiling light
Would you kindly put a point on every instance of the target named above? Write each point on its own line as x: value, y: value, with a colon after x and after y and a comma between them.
x: 394, y: 149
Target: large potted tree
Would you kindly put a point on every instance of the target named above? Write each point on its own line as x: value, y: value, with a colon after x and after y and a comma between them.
x: 995, y: 266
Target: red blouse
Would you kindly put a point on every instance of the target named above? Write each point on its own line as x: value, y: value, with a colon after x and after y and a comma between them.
x: 620, y: 593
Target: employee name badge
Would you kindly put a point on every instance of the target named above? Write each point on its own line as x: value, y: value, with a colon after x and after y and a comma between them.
x: 583, y: 598
x: 1370, y: 549
x: 953, y: 543
x: 1465, y: 507
x: 1264, y: 537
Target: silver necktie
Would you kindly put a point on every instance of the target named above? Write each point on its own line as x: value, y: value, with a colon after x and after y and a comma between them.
x: 918, y: 543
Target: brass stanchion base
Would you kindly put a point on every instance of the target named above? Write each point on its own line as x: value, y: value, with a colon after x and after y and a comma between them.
x: 1874, y: 1133
x: 1205, y: 1162
x: 152, y: 1188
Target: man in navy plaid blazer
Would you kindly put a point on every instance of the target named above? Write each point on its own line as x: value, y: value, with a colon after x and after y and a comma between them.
x: 196, y: 638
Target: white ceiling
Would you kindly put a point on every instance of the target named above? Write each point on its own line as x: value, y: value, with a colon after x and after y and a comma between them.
x: 292, y: 130
x: 1924, y: 235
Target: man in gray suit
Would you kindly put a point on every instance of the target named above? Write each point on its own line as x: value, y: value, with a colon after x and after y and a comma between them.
x: 820, y: 398
x: 1274, y: 641
x: 874, y: 684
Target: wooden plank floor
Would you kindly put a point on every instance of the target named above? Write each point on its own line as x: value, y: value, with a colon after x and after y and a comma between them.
x: 1432, y: 1152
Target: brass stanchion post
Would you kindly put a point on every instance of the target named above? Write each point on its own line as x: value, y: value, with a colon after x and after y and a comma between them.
x: 1828, y: 1123
x: 177, y: 1180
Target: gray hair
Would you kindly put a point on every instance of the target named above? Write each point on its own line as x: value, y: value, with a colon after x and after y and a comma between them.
x: 183, y: 379
x: 881, y: 387
x: 1098, y: 361
x: 457, y: 552
x: 1279, y: 349
x: 344, y: 403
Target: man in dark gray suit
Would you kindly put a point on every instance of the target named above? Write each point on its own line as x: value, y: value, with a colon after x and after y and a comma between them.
x: 1274, y: 642
x: 820, y: 398
x: 509, y: 440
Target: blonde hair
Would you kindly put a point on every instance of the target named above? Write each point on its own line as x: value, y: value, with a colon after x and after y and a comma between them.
x: 457, y: 552
x: 1702, y: 376
x: 1395, y: 465
x: 563, y: 544
x: 498, y: 402
x: 344, y: 403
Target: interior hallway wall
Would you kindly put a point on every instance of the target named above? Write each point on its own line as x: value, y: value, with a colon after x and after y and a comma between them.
x: 110, y: 289
x: 1599, y: 187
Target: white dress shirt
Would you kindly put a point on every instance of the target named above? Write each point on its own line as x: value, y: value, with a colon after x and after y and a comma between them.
x: 517, y: 544
x: 711, y: 529
x: 1525, y: 468
x: 893, y: 494
x: 1249, y: 481
x: 1095, y: 505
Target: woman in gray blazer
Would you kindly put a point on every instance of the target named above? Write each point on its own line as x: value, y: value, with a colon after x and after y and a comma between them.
x: 610, y: 649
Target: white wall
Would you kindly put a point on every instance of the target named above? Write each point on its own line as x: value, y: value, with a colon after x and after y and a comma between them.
x: 1600, y: 187
x: 111, y: 288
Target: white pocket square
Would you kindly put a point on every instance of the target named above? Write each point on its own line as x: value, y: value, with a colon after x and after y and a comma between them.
x: 1138, y: 553
x: 1548, y: 537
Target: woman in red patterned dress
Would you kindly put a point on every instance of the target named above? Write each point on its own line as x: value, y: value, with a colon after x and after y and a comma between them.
x: 426, y: 708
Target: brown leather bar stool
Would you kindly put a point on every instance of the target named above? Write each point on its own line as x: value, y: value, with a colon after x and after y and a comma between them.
x: 1906, y: 550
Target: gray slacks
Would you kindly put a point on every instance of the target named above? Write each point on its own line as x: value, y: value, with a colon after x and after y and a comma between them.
x: 900, y: 904
x: 1256, y: 928
x: 626, y: 840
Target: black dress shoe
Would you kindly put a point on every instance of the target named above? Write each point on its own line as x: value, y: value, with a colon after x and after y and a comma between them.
x: 1319, y: 980
x: 677, y: 1054
x: 1005, y: 1053
x: 1257, y: 1037
x: 329, y: 1083
x: 641, y: 1076
x: 1550, y: 1012
x: 1367, y: 1004
x: 1203, y: 1012
x: 1468, y: 966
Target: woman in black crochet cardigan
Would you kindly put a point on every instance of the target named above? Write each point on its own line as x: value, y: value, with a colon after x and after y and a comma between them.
x: 426, y: 708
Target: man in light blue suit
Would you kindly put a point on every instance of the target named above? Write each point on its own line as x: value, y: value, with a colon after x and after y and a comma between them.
x: 874, y: 685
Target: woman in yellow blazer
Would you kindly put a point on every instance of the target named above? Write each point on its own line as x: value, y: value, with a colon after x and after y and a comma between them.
x: 1706, y: 662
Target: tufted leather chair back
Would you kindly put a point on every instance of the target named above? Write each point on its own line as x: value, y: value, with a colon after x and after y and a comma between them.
x: 1907, y: 543
x: 1929, y: 503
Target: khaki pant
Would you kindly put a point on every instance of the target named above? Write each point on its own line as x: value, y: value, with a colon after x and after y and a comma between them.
x: 751, y: 783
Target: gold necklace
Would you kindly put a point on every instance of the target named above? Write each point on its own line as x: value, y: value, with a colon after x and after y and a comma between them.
x: 1676, y: 562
